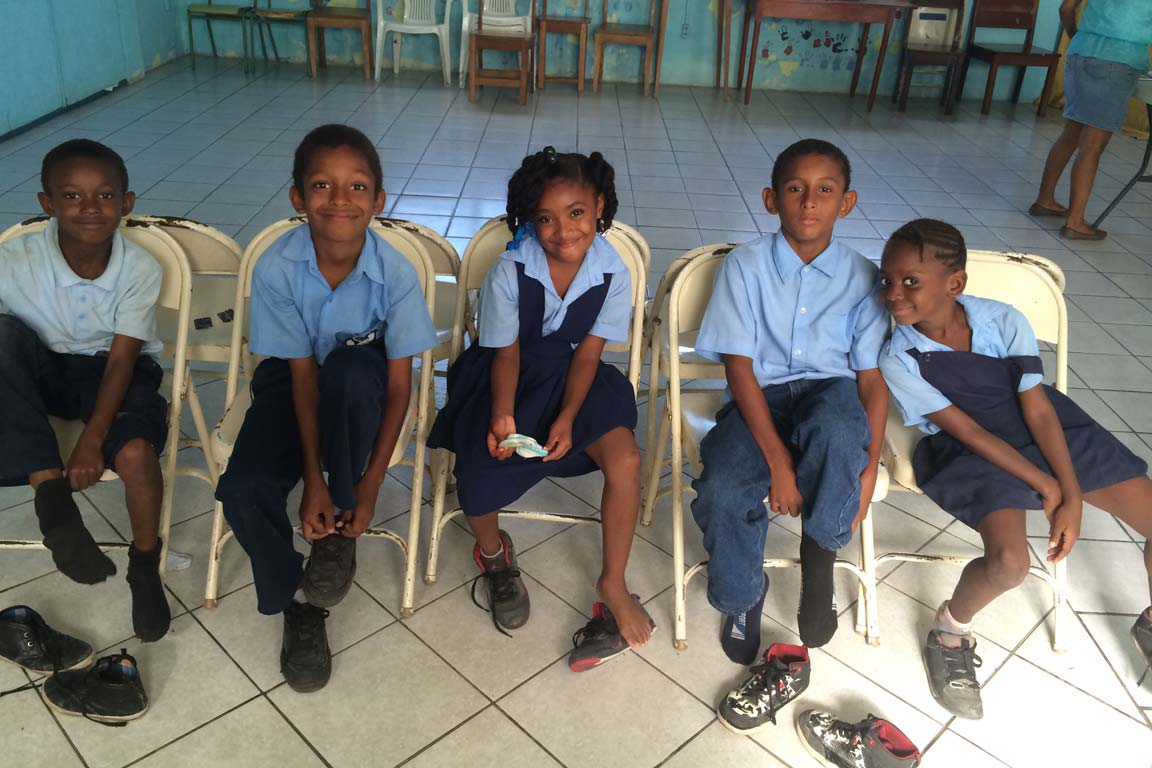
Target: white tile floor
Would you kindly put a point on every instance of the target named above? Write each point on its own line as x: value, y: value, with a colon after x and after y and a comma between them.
x: 443, y: 688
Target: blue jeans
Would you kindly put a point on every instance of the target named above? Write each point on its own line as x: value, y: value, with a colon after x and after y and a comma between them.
x: 824, y: 424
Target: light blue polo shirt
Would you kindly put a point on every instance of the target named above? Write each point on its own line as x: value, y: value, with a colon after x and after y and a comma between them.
x: 795, y: 320
x: 998, y: 330
x: 72, y: 315
x: 296, y: 314
x: 500, y: 296
x: 1115, y: 30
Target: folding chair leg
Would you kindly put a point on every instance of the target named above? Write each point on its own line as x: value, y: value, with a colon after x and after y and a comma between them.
x: 440, y: 468
x: 867, y: 607
x: 655, y: 468
x: 202, y: 433
x: 411, y: 551
x: 215, y: 549
x: 1060, y: 572
x: 679, y: 577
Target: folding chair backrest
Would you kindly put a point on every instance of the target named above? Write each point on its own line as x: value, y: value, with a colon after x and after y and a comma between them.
x: 687, y: 302
x: 446, y: 263
x: 637, y: 239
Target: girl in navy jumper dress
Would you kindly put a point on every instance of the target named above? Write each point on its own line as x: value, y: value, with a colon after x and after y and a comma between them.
x: 967, y: 372
x: 547, y: 308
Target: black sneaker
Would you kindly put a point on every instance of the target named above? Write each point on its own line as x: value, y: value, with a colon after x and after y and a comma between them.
x: 871, y: 743
x: 952, y: 676
x: 780, y: 679
x: 1142, y: 636
x: 507, y: 596
x: 305, y: 659
x: 330, y: 569
x: 599, y: 640
x: 109, y: 692
x: 27, y: 641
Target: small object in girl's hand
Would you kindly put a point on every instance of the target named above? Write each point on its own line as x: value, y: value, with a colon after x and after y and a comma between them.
x: 525, y: 446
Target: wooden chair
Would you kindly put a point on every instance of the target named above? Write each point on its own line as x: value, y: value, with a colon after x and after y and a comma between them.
x: 1007, y: 14
x: 933, y: 51
x: 269, y: 15
x: 208, y: 12
x: 562, y: 25
x: 502, y: 37
x: 625, y: 34
x: 339, y: 14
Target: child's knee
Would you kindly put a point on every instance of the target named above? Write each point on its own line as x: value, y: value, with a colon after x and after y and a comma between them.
x: 136, y: 457
x: 623, y: 463
x: 1007, y: 567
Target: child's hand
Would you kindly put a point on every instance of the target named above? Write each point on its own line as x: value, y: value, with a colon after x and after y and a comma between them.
x: 357, y: 521
x: 559, y: 440
x: 783, y: 495
x: 1050, y: 495
x: 317, y: 517
x: 1065, y: 529
x: 498, y: 431
x: 86, y: 464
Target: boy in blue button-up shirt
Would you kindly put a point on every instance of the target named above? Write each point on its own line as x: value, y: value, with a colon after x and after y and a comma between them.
x: 795, y: 318
x: 78, y: 341
x: 339, y: 314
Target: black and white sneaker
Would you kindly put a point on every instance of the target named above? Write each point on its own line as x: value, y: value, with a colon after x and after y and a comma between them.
x: 109, y: 692
x: 330, y: 569
x: 27, y: 641
x: 871, y: 743
x: 778, y: 681
x: 952, y: 676
x: 305, y: 658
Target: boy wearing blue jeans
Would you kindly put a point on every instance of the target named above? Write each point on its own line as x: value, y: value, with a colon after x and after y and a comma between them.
x: 796, y: 320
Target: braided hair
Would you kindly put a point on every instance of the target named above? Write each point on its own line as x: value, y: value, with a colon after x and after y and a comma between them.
x: 945, y: 240
x: 526, y: 186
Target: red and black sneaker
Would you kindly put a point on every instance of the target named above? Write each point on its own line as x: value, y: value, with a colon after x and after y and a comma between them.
x: 870, y: 743
x: 507, y: 596
x: 779, y: 680
x: 599, y: 640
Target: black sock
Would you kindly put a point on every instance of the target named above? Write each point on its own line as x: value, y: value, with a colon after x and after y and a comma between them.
x: 150, y: 613
x: 73, y: 549
x: 817, y: 614
x: 740, y: 636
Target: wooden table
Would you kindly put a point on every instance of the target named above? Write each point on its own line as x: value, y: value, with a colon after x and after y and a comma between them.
x: 1144, y: 94
x: 866, y: 12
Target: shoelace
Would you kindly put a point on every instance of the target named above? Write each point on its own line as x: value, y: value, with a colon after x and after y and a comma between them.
x: 597, y: 627
x: 849, y: 737
x: 309, y: 623
x: 770, y: 678
x: 50, y: 640
x: 503, y: 583
x: 960, y: 666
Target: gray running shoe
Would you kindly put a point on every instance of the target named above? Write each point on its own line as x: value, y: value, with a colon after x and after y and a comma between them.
x: 330, y: 569
x: 952, y: 676
x: 870, y: 743
x: 507, y: 596
x: 1142, y: 636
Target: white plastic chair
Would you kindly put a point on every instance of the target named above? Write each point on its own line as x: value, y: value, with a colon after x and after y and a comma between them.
x: 419, y: 19
x: 1035, y: 286
x: 175, y: 297
x: 690, y: 414
x: 482, y: 252
x: 497, y: 13
x: 416, y: 418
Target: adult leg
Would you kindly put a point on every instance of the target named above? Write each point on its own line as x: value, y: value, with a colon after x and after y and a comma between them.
x: 619, y: 459
x: 1093, y: 142
x: 831, y: 437
x: 1058, y: 156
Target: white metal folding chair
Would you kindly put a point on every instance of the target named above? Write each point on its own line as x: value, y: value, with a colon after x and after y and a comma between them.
x: 688, y: 415
x: 1035, y: 286
x: 497, y: 13
x: 419, y: 19
x: 176, y: 298
x: 483, y: 250
x: 416, y: 419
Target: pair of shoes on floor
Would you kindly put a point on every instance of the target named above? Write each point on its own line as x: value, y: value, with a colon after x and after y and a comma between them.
x: 109, y: 691
x: 305, y: 656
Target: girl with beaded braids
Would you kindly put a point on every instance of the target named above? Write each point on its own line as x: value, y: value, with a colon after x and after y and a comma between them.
x: 547, y: 308
x: 966, y: 371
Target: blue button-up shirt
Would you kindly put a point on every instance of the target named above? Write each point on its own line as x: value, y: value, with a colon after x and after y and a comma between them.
x: 295, y: 313
x: 998, y: 330
x: 795, y: 320
x: 70, y: 314
x: 500, y: 296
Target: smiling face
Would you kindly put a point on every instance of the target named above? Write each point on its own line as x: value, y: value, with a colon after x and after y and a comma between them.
x: 86, y: 199
x: 811, y: 197
x: 918, y: 287
x: 565, y: 219
x: 340, y: 195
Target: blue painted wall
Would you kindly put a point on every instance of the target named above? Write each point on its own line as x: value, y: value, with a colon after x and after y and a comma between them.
x: 80, y: 46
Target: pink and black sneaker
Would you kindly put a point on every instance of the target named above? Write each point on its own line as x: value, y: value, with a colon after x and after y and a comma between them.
x: 782, y: 677
x: 599, y: 640
x: 870, y: 743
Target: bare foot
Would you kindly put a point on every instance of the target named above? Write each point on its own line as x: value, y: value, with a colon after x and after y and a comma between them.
x: 634, y: 624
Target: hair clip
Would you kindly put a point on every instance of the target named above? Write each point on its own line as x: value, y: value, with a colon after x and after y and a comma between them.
x: 550, y: 153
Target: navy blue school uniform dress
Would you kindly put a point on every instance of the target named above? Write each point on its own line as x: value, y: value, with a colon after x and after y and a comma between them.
x: 519, y: 301
x: 925, y: 376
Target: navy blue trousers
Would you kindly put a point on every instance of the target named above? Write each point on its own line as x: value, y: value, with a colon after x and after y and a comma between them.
x: 267, y: 463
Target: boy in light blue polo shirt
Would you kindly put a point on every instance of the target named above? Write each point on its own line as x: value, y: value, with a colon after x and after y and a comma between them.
x: 1107, y: 55
x: 78, y: 341
x: 338, y: 313
x: 796, y: 320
